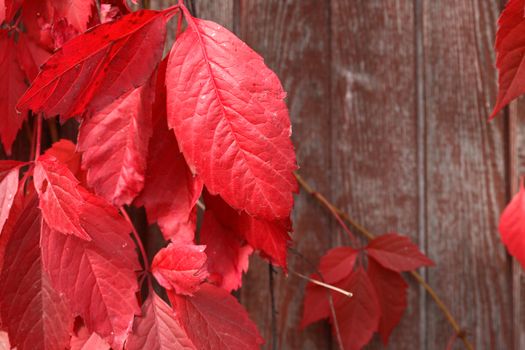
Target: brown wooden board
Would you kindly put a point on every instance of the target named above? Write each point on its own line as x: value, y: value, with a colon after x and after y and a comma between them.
x: 375, y: 169
x: 294, y: 39
x: 465, y: 174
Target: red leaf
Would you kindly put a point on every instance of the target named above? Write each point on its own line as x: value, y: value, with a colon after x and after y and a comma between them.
x: 510, y: 49
x: 65, y: 152
x: 115, y: 145
x: 60, y: 197
x: 315, y: 305
x: 214, y: 319
x: 8, y: 187
x: 397, y: 253
x: 2, y: 11
x: 227, y: 110
x: 11, y: 7
x: 158, y: 328
x: 270, y: 237
x: 95, y: 68
x: 30, y: 56
x: 337, y: 263
x: 512, y: 226
x: 181, y: 267
x: 84, y: 340
x: 391, y: 290
x: 13, y: 84
x: 77, y: 12
x: 97, y: 277
x: 33, y: 313
x: 358, y: 316
x: 227, y: 257
x: 170, y: 189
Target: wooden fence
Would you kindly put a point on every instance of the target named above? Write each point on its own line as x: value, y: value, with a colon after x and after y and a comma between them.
x: 389, y: 103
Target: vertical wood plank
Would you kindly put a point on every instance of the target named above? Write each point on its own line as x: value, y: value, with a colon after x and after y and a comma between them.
x: 375, y: 127
x: 294, y: 39
x: 466, y: 185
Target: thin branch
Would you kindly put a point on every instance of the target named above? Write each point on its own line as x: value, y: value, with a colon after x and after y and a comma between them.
x: 38, y: 135
x: 322, y: 284
x: 139, y: 243
x: 329, y: 295
x: 363, y: 231
x: 53, y: 131
x: 272, y: 303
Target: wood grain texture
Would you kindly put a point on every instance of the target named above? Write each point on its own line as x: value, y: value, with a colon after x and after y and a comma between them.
x: 374, y: 153
x: 293, y: 37
x: 465, y: 174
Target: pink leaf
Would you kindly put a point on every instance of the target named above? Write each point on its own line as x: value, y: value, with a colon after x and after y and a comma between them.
x: 181, y: 267
x: 115, y: 145
x: 97, y: 67
x: 88, y: 341
x: 214, y: 319
x: 391, y: 290
x: 158, y: 328
x: 227, y: 110
x: 13, y: 83
x: 397, y: 253
x: 8, y: 187
x: 227, y: 256
x: 33, y: 313
x: 97, y: 277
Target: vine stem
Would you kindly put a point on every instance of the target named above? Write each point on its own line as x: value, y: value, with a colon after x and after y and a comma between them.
x: 38, y: 136
x: 139, y: 243
x: 340, y: 214
x: 322, y: 284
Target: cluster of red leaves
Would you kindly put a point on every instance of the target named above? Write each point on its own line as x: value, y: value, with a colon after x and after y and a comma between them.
x: 373, y: 276
x: 510, y: 49
x: 206, y: 121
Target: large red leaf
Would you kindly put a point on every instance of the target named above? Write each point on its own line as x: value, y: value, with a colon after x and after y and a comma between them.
x: 512, y: 226
x: 2, y: 11
x: 33, y: 313
x: 227, y: 255
x: 181, y: 267
x: 95, y: 68
x: 8, y: 187
x: 510, y: 51
x: 65, y: 152
x: 170, y: 190
x: 115, y: 144
x: 227, y: 110
x: 358, y: 316
x: 97, y: 277
x: 30, y: 56
x: 269, y: 237
x: 158, y: 328
x: 60, y: 197
x: 214, y: 319
x: 13, y: 86
x: 391, y: 290
x: 397, y: 253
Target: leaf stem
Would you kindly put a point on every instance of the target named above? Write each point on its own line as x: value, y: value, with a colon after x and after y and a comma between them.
x: 139, y: 243
x: 340, y: 214
x: 322, y: 284
x: 38, y: 136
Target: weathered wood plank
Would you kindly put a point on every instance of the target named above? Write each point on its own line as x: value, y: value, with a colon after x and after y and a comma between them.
x: 293, y: 37
x: 374, y: 153
x: 465, y: 174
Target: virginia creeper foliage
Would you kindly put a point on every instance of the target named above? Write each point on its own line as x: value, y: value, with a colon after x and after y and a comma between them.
x: 208, y: 119
x: 204, y: 125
